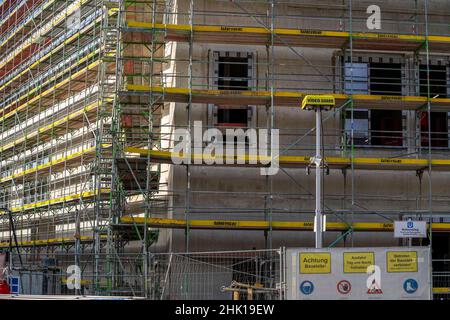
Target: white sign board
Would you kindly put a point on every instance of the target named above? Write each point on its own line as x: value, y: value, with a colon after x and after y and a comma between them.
x: 410, y: 229
x: 398, y: 273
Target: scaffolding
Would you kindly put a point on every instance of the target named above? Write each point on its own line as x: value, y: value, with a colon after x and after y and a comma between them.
x: 92, y: 92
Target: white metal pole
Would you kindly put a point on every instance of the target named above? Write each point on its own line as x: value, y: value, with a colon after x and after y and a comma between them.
x: 318, y: 162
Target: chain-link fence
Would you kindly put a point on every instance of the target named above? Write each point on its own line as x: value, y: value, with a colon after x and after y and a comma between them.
x: 217, y: 275
x: 208, y: 275
x: 249, y: 275
x: 86, y: 274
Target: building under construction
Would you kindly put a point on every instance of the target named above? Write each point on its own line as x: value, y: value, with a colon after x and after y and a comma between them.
x: 93, y: 91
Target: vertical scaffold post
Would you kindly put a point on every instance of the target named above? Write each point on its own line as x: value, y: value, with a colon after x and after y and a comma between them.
x: 272, y: 114
x: 189, y: 120
x: 352, y: 134
x: 430, y: 181
x: 188, y: 167
x: 77, y: 242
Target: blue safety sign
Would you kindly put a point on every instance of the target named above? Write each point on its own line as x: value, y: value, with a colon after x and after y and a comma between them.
x: 307, y: 287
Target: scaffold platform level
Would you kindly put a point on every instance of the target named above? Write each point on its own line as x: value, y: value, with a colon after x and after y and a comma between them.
x: 303, y: 161
x: 58, y: 127
x: 36, y: 65
x: 52, y: 241
x: 77, y: 82
x: 59, y: 164
x: 281, y: 98
x: 266, y: 225
x: 292, y: 37
x: 63, y: 200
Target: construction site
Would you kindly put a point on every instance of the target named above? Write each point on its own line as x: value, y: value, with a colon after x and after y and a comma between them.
x: 92, y: 93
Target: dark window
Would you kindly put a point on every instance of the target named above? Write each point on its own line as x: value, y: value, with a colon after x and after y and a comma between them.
x: 438, y: 81
x: 440, y: 247
x: 233, y: 73
x: 386, y: 78
x: 386, y: 127
x: 232, y: 117
x: 441, y: 256
x: 439, y: 129
x: 440, y: 253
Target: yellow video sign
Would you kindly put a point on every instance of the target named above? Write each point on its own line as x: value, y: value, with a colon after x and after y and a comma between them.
x: 318, y: 101
x: 315, y: 263
x: 401, y: 261
x: 357, y: 262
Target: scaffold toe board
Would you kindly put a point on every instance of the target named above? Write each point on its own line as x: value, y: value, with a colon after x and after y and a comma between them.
x: 303, y: 161
x: 266, y: 225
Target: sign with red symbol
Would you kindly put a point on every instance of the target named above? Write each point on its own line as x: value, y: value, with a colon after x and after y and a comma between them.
x: 344, y: 287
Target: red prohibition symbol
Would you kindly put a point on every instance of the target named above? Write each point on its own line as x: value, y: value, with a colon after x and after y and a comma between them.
x: 344, y: 287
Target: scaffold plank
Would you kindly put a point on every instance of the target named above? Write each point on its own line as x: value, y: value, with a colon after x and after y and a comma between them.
x: 51, y: 241
x: 43, y: 30
x: 266, y: 225
x: 69, y: 120
x: 23, y: 25
x: 50, y: 90
x: 55, y: 165
x: 58, y: 48
x: 303, y: 161
x: 58, y: 200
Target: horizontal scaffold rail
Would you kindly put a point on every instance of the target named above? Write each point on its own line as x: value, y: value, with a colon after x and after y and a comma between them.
x: 53, y: 129
x: 86, y: 76
x: 282, y: 98
x: 303, y: 161
x: 56, y: 165
x: 51, y: 241
x: 288, y: 37
x: 266, y: 225
x: 76, y: 197
x: 42, y: 31
x: 72, y: 39
x: 23, y: 24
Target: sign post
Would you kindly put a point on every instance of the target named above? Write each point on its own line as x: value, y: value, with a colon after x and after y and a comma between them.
x: 317, y: 103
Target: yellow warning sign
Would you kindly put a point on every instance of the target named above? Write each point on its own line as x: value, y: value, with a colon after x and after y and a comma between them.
x: 315, y: 263
x: 401, y: 261
x: 357, y: 262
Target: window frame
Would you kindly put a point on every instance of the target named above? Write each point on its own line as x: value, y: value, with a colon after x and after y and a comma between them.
x: 366, y: 60
x: 434, y: 61
x: 213, y: 84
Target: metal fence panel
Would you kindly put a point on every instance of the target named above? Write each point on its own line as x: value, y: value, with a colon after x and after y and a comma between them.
x: 176, y: 276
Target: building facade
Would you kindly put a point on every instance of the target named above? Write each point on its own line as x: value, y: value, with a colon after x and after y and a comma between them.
x: 95, y: 93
